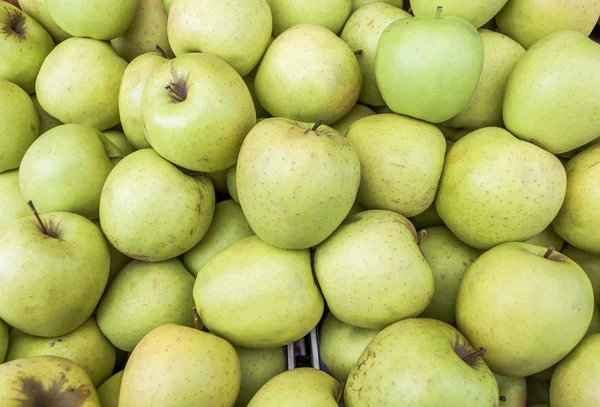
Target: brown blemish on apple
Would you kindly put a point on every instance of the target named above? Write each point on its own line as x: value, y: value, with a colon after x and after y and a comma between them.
x: 59, y: 394
x: 14, y: 25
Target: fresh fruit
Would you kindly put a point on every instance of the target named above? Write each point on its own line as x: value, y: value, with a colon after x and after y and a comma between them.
x: 590, y: 263
x: 331, y: 14
x: 118, y: 138
x: 3, y: 340
x: 258, y: 367
x: 47, y: 122
x: 38, y: 9
x: 358, y: 111
x: 108, y: 393
x: 477, y: 12
x: 512, y: 390
x: 548, y: 238
x: 14, y: 205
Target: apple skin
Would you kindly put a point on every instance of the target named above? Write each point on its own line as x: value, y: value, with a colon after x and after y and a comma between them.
x: 358, y: 112
x: 513, y: 389
x: 130, y: 96
x: 38, y: 9
x: 548, y: 238
x: 356, y: 4
x: 578, y: 221
x: 308, y: 74
x: 524, y: 334
x: 52, y: 285
x: 258, y: 367
x: 560, y: 67
x: 14, y: 205
x: 237, y: 32
x: 108, y: 392
x: 97, y: 19
x: 477, y: 12
x: 151, y: 211
x: 203, y: 132
x: 331, y: 14
x: 47, y: 122
x: 3, y: 340
x: 24, y: 44
x: 590, y: 263
x: 526, y: 21
x: 362, y: 32
x: 427, y: 67
x: 417, y: 362
x: 119, y: 139
x: 79, y: 83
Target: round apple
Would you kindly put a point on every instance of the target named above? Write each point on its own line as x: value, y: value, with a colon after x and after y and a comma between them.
x: 331, y: 14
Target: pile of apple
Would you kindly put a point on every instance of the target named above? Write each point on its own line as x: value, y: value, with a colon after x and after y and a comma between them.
x: 188, y: 186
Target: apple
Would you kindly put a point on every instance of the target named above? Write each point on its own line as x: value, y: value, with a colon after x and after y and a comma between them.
x: 512, y: 390
x: 331, y: 14
x: 79, y: 83
x: 261, y: 112
x: 357, y: 112
x: 108, y: 392
x: 47, y: 122
x: 356, y: 4
x: 237, y: 32
x: 548, y: 238
x: 196, y: 111
x: 371, y: 271
x: 118, y: 138
x: 147, y: 31
x: 14, y: 205
x: 65, y: 169
x: 3, y: 340
x: 579, y: 218
x: 38, y: 9
x: 524, y: 334
x: 426, y: 219
x: 54, y: 271
x: 496, y: 188
x: 152, y: 211
x: 258, y: 296
x: 97, y: 19
x: 24, y: 45
x: 527, y: 21
x: 232, y: 184
x: 477, y: 12
x: 401, y: 161
x: 501, y: 53
x: 258, y: 367
x: 308, y: 74
x: 590, y: 263
x: 130, y: 96
x: 421, y: 362
x: 429, y: 67
x: 551, y: 95
x: 362, y: 33
x: 296, y: 181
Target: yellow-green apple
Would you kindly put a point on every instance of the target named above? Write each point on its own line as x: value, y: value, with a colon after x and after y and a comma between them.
x: 357, y: 112
x: 331, y: 14
x: 14, y: 206
x: 477, y: 12
x: 590, y: 263
x: 258, y: 367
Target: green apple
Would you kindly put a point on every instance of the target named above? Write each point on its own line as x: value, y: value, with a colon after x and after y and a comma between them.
x: 232, y: 183
x: 560, y: 67
x: 54, y: 271
x: 144, y: 296
x: 130, y: 96
x: 4, y: 338
x: 147, y: 31
x: 578, y: 221
x: 512, y: 391
x: 527, y: 21
x: 401, y: 161
x: 97, y: 19
x: 538, y: 391
x: 24, y: 45
x: 574, y: 381
x: 362, y: 33
x: 477, y: 12
x: 117, y: 259
x: 19, y: 125
x: 301, y: 387
x: 331, y: 14
x: 420, y: 362
x: 449, y: 259
x: 167, y: 4
x: 501, y: 53
x: 548, y: 238
x: 590, y: 263
x: 258, y: 367
x: 261, y: 112
x: 372, y: 272
x: 47, y: 122
x: 178, y: 366
x: 356, y: 4
x: 38, y: 9
x: 86, y: 346
x: 151, y: 211
x: 118, y: 138
x: 235, y: 301
x: 79, y: 83
x: 356, y: 208
x: 237, y: 32
x: 14, y: 205
x: 108, y: 393
x: 196, y: 111
x: 308, y: 74
x: 301, y: 201
x: 357, y: 112
x: 496, y: 188
x: 228, y: 226
x: 47, y: 381
x: 219, y: 180
x: 524, y: 334
x: 426, y: 219
x: 429, y: 67
x: 341, y: 345
x: 65, y: 170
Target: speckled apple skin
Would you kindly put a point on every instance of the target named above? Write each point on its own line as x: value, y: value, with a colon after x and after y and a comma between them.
x: 331, y: 14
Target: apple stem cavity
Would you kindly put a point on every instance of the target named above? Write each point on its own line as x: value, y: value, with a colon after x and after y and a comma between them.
x: 178, y: 88
x: 196, y: 317
x: 315, y: 127
x: 358, y: 52
x: 549, y: 252
x: 472, y: 357
x: 160, y: 51
x: 16, y: 25
x: 438, y: 12
x: 37, y: 216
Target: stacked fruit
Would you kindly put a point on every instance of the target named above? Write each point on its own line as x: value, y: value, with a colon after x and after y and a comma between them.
x: 189, y: 186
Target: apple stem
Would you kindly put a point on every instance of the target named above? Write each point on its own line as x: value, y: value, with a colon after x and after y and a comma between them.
x: 470, y: 358
x: 37, y: 216
x: 502, y: 398
x: 358, y: 52
x: 196, y: 317
x: 174, y: 94
x: 438, y: 12
x: 549, y: 252
x: 315, y: 127
x: 161, y: 51
x: 422, y: 234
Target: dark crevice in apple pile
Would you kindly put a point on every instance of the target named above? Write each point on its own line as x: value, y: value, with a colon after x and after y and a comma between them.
x: 15, y: 26
x: 178, y: 88
x: 50, y: 229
